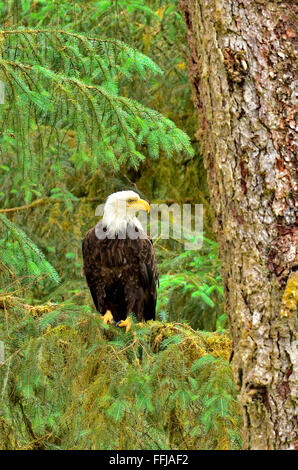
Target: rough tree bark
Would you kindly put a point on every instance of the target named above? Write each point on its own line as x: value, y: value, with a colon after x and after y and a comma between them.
x: 242, y: 69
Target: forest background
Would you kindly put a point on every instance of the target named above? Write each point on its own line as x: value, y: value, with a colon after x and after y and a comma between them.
x: 97, y: 100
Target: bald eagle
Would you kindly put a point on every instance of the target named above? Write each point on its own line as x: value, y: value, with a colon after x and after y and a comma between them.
x: 119, y: 262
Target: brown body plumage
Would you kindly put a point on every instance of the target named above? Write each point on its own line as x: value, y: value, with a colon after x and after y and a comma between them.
x: 121, y: 274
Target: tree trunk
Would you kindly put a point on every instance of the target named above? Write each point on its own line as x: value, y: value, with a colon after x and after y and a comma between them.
x: 242, y: 69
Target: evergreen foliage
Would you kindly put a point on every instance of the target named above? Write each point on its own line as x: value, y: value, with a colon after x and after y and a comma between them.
x: 59, y: 81
x: 69, y: 383
x: 20, y: 256
x: 191, y: 282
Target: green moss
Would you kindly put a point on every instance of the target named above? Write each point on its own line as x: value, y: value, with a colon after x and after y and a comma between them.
x: 290, y: 297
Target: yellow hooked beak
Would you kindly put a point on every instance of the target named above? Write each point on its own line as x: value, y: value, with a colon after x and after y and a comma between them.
x: 140, y: 205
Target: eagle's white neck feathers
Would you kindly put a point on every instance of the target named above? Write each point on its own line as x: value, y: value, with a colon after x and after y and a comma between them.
x: 118, y: 216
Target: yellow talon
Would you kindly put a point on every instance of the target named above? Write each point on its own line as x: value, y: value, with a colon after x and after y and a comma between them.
x: 125, y: 324
x: 107, y: 318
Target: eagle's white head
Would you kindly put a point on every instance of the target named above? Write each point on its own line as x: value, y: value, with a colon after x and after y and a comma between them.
x: 120, y: 212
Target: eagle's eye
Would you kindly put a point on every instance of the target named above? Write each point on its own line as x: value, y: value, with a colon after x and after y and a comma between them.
x: 130, y: 201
